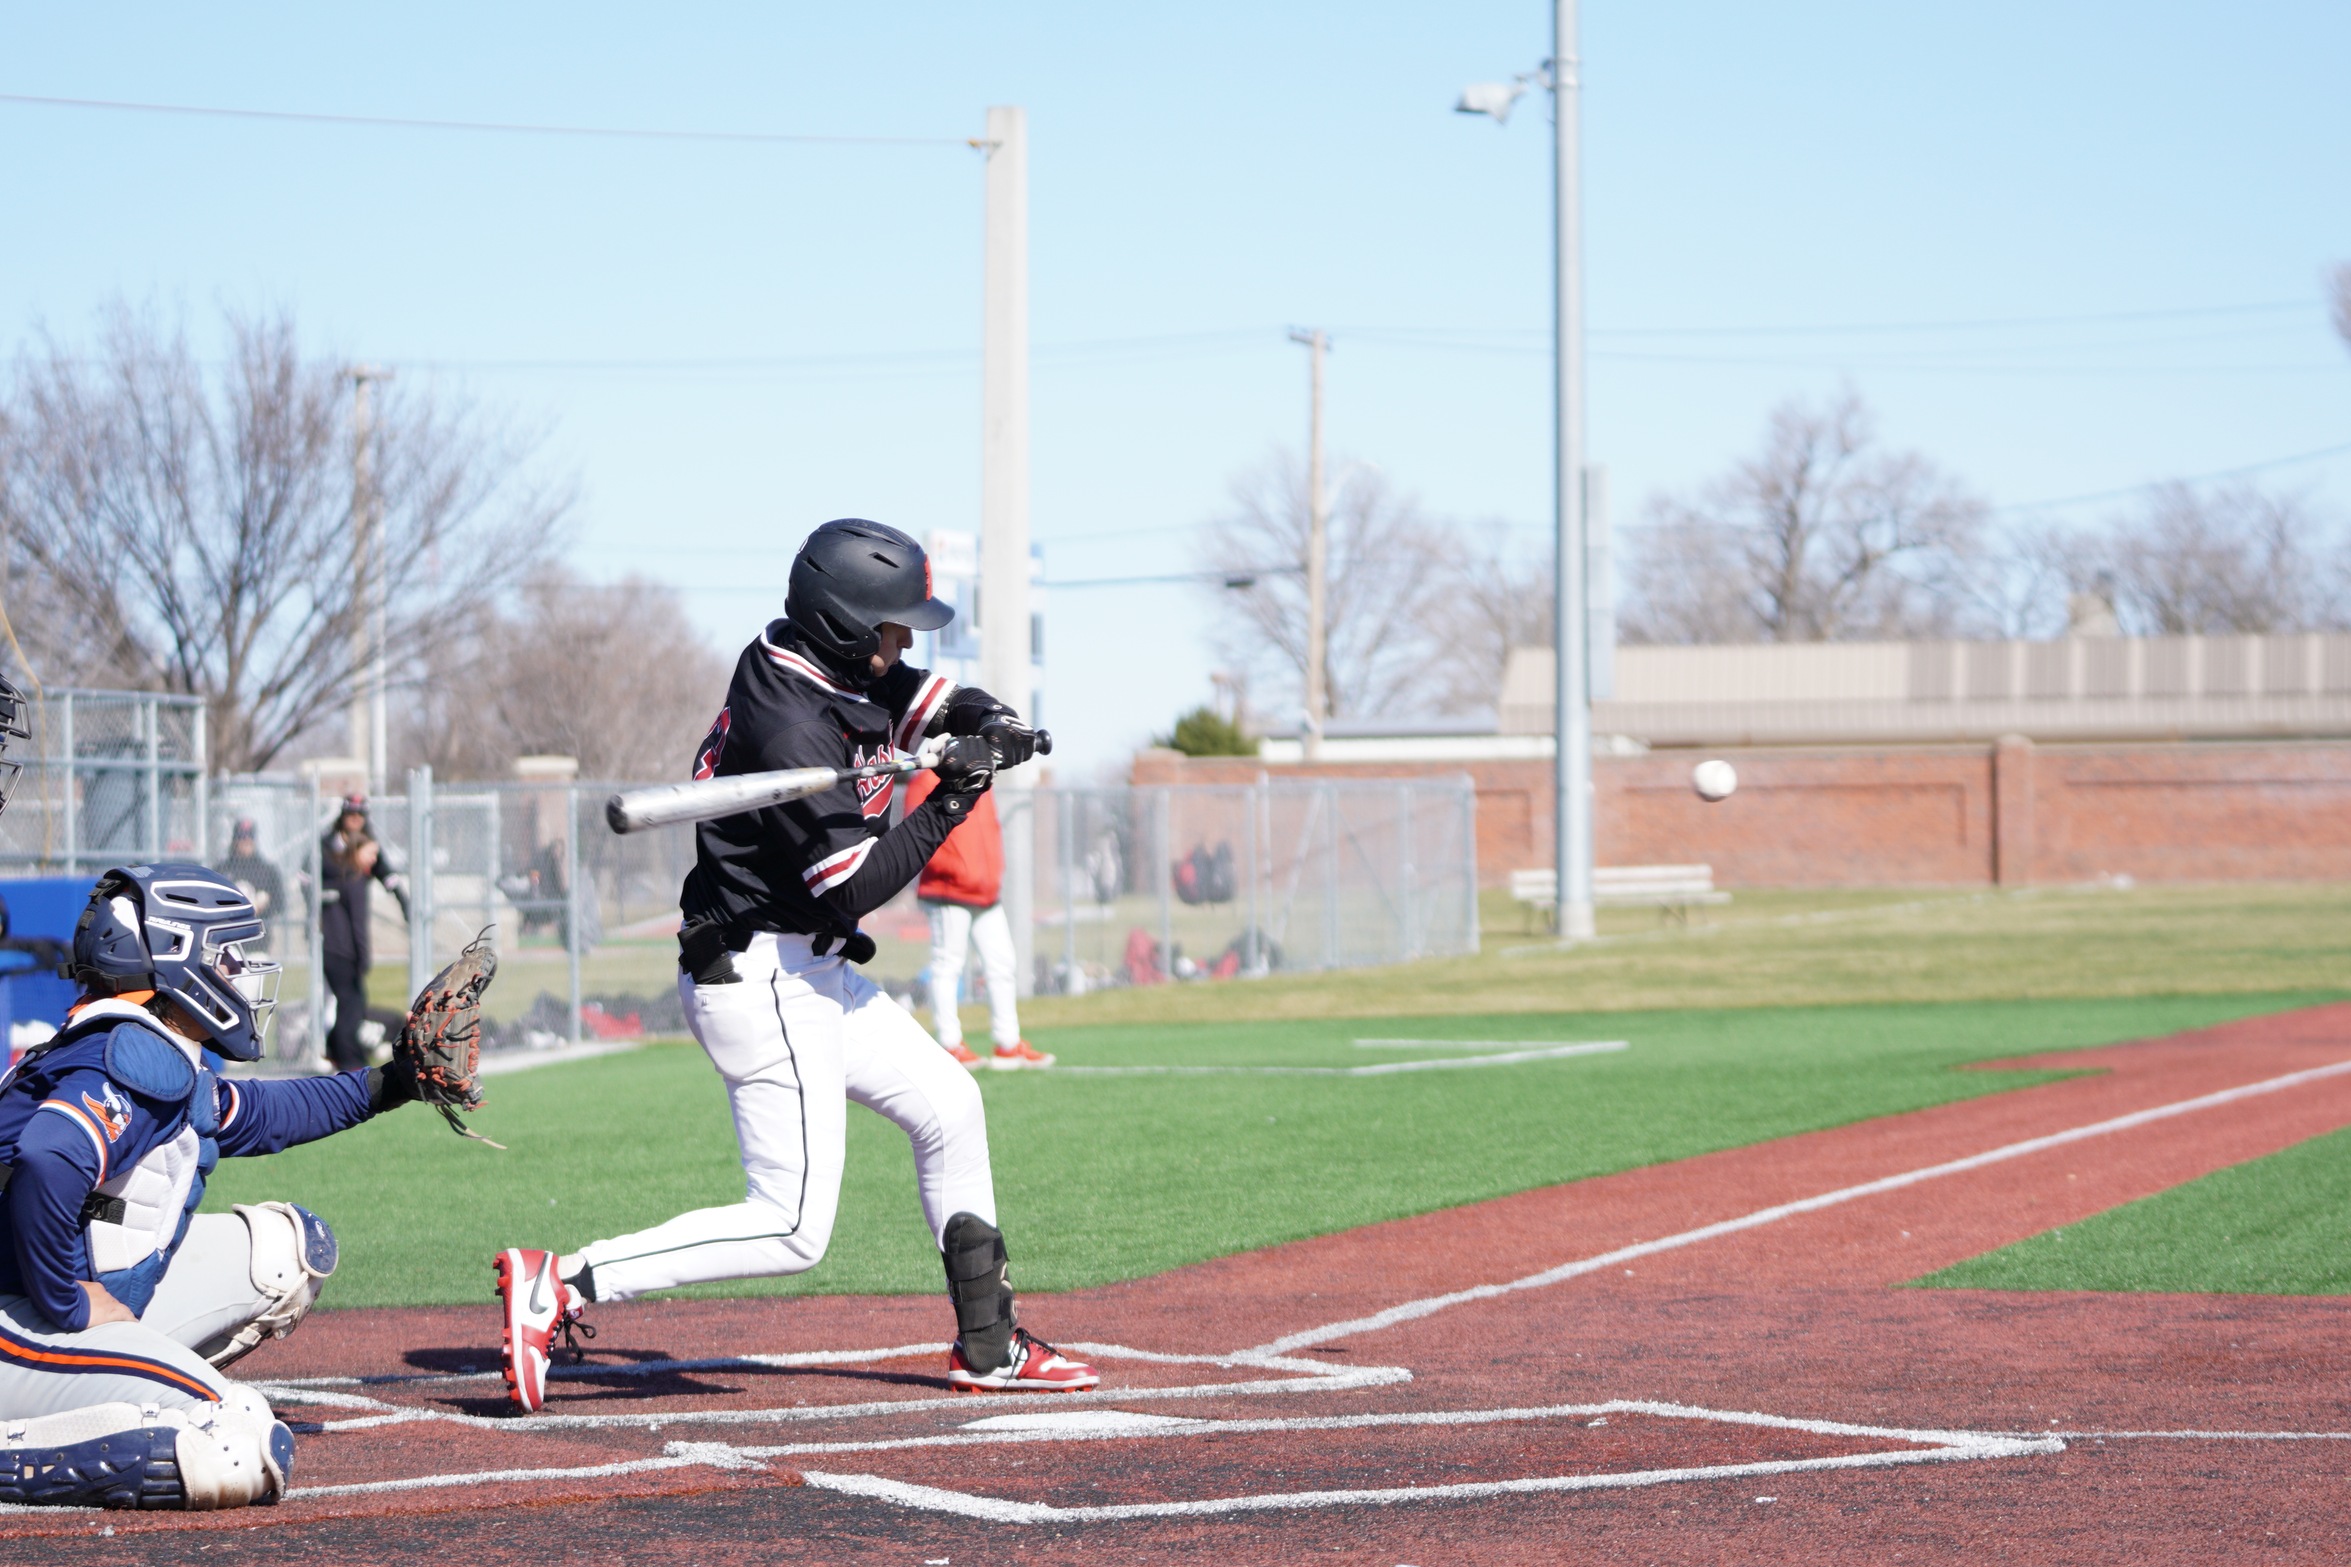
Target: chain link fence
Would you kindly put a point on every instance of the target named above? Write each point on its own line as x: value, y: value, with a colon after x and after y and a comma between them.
x: 109, y: 777
x: 1130, y: 886
x: 1145, y: 886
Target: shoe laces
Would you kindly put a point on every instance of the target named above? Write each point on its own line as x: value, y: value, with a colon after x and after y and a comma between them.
x: 574, y: 1329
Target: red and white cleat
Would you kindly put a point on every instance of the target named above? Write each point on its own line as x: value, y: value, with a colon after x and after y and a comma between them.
x: 964, y: 1055
x: 538, y: 1305
x: 1035, y: 1367
x: 1021, y: 1054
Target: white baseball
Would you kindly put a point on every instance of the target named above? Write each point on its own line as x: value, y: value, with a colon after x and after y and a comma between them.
x: 1714, y: 780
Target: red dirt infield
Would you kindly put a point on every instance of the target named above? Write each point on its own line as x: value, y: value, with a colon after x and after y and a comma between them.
x: 1700, y: 1361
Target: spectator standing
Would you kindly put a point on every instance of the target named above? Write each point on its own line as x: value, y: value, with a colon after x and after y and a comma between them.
x: 962, y: 890
x: 350, y: 858
x: 256, y: 877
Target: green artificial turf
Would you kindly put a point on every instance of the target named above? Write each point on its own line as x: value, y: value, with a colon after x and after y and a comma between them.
x: 1104, y: 1178
x: 2275, y: 1226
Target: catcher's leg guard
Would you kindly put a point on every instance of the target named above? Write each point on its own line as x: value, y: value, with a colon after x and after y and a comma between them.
x: 978, y: 1284
x: 293, y: 1254
x: 129, y: 1456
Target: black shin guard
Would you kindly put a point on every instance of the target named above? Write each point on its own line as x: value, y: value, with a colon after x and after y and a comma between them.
x: 977, y: 1284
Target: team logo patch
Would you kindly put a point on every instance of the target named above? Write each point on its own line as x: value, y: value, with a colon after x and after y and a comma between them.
x: 713, y: 744
x: 109, y: 1111
x: 873, y: 794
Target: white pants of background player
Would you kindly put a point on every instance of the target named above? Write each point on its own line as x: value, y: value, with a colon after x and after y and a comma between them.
x: 796, y: 1038
x: 953, y: 926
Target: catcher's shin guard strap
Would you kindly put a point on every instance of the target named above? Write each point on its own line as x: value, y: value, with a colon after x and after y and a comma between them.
x: 978, y: 1284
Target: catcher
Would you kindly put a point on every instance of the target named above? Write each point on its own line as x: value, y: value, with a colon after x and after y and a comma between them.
x: 119, y: 1302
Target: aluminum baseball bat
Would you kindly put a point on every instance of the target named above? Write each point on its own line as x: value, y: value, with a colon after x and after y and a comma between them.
x: 704, y: 798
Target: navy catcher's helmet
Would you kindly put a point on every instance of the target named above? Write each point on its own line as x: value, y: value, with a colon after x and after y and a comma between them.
x: 850, y: 577
x: 12, y: 729
x: 179, y: 930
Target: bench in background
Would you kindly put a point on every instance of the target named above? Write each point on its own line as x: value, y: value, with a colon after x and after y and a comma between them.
x: 1670, y: 889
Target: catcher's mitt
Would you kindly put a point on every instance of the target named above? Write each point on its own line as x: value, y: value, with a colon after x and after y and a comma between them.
x: 441, y: 1043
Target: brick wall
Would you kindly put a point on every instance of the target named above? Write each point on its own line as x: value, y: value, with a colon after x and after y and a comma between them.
x: 1925, y: 815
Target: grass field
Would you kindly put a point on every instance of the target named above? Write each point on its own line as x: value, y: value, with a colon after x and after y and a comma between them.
x: 1102, y: 1178
x: 2275, y: 1226
x: 1781, y: 1013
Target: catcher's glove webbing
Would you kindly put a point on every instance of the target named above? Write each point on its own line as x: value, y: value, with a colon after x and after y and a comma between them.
x: 441, y: 1043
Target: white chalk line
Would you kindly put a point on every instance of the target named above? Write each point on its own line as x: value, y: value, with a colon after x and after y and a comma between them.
x: 627, y: 1368
x: 2204, y: 1436
x: 1928, y: 1446
x: 1306, y: 1376
x: 1377, y: 1069
x: 1472, y: 1044
x: 1412, y: 1310
x: 1317, y: 1378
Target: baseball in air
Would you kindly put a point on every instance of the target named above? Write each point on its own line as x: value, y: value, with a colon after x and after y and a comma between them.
x: 1714, y: 780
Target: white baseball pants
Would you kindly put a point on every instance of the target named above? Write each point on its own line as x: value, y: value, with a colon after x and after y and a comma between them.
x: 953, y: 925
x: 796, y: 1038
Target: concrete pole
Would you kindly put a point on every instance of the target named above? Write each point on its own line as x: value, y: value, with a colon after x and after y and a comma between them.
x: 1004, y: 497
x: 1572, y: 770
x: 1318, y: 553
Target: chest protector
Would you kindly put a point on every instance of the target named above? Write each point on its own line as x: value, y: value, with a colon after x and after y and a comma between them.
x: 138, y: 1215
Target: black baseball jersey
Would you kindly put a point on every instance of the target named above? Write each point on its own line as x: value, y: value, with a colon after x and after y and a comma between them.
x: 815, y: 865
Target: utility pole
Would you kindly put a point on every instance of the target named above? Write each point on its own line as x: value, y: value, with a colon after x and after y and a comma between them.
x: 1005, y: 649
x: 1318, y: 551
x: 368, y: 719
x: 1572, y: 764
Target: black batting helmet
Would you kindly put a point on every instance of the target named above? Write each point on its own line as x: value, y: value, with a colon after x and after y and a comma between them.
x: 851, y: 577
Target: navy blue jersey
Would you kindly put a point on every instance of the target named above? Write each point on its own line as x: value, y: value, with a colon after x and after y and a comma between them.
x: 104, y: 1116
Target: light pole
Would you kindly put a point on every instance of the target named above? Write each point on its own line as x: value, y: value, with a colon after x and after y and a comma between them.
x: 1571, y: 667
x: 1318, y: 552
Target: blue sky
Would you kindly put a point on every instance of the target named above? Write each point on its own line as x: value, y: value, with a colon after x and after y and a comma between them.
x: 1202, y: 177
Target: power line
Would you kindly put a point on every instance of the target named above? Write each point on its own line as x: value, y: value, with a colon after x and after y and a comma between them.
x: 2194, y: 478
x: 496, y: 127
x: 1964, y: 324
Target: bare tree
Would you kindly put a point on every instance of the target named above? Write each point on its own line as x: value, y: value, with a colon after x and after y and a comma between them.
x: 2223, y: 558
x: 169, y: 530
x: 1388, y: 567
x: 1497, y: 597
x: 613, y: 674
x: 1823, y: 535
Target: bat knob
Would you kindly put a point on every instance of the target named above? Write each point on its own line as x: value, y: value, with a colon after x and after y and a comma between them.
x: 1044, y: 742
x: 616, y: 814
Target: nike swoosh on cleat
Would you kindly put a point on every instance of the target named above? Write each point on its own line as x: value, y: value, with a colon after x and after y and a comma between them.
x: 539, y: 1289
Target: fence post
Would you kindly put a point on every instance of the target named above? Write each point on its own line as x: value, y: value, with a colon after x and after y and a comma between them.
x: 1330, y: 876
x: 1468, y: 795
x: 152, y: 711
x: 420, y: 878
x: 1166, y: 884
x: 1065, y: 837
x: 314, y: 1048
x: 203, y: 748
x: 73, y: 808
x: 571, y: 898
x: 1404, y: 868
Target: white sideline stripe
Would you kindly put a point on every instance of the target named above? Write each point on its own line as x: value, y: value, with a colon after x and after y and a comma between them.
x: 2205, y: 1436
x: 503, y: 1062
x: 1429, y: 1306
x: 1377, y: 1069
x: 1458, y: 1044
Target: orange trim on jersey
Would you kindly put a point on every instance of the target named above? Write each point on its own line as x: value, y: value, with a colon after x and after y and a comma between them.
x: 137, y: 998
x: 97, y: 1138
x: 45, y: 1358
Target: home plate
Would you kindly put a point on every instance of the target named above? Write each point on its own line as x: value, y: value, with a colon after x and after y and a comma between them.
x: 1091, y: 1422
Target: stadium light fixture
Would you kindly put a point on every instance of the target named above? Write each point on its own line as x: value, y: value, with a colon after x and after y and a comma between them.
x: 1494, y: 98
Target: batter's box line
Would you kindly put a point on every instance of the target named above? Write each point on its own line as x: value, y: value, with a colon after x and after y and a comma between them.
x: 1307, y: 1376
x: 1927, y: 1446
